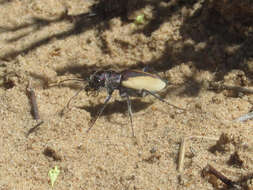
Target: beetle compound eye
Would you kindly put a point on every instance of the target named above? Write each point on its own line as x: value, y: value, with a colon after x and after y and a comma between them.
x: 98, y: 81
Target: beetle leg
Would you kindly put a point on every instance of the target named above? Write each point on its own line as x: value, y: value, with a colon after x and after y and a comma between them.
x: 130, y: 113
x: 100, y: 112
x: 145, y: 69
x: 125, y: 94
x: 142, y: 93
x: 162, y: 100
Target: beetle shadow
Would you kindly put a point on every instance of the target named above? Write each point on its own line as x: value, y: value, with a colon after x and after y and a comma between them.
x: 5, y: 1
x: 99, y: 14
x: 116, y: 107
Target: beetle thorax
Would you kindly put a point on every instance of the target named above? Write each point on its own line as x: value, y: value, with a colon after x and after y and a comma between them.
x: 113, y: 79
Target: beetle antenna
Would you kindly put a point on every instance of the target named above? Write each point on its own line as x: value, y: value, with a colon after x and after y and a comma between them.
x: 100, y: 112
x: 60, y: 82
x: 75, y: 79
x: 162, y: 100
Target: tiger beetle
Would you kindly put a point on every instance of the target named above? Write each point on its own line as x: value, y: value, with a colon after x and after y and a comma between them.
x: 129, y: 83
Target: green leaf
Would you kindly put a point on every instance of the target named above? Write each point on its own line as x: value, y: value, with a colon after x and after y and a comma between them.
x: 53, y: 174
x: 140, y: 19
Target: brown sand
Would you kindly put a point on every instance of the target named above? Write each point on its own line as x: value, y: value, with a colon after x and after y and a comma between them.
x: 38, y: 44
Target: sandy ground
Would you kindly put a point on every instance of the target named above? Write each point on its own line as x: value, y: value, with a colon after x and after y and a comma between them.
x: 47, y: 41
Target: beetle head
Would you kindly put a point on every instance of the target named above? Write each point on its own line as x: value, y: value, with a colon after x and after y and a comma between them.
x: 95, y: 81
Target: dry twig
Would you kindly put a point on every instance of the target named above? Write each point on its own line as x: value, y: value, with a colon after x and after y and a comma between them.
x: 34, y: 109
x: 182, y: 149
x: 218, y: 86
x: 181, y: 155
x: 223, y: 178
x: 34, y: 106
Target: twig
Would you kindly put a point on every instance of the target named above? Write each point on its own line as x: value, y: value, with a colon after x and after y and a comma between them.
x: 222, y: 177
x: 34, y: 106
x: 181, y: 155
x: 219, y: 175
x: 182, y: 149
x: 204, y: 137
x: 239, y: 89
x: 219, y: 86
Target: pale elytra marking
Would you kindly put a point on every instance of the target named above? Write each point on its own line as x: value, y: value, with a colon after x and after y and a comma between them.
x: 145, y: 82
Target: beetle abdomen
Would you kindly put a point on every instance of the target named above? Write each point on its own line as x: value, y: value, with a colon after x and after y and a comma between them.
x: 140, y: 80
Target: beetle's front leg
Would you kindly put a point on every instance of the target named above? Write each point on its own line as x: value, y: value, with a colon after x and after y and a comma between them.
x: 101, y: 110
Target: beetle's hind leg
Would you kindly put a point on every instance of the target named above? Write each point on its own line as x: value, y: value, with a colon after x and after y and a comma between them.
x: 130, y: 113
x: 145, y: 92
x: 124, y: 94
